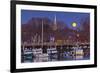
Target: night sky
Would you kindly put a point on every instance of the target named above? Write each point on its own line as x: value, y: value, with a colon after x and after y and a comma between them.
x: 67, y: 17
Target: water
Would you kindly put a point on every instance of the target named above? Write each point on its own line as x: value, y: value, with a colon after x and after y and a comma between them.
x: 52, y: 54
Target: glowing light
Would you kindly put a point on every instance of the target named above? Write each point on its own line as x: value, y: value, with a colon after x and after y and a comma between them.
x: 74, y: 24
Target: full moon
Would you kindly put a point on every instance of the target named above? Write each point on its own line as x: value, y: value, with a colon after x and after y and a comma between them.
x: 74, y: 24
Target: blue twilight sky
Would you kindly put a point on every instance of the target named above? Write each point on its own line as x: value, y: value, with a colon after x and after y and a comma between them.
x: 67, y: 17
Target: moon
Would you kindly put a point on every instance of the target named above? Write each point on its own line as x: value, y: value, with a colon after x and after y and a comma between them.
x: 74, y: 24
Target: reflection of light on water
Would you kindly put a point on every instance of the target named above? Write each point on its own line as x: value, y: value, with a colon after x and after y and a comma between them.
x: 37, y: 55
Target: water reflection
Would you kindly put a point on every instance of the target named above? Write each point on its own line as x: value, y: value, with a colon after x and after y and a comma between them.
x: 55, y: 54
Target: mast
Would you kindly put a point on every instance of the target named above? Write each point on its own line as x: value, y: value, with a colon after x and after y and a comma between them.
x: 55, y: 20
x: 42, y: 33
